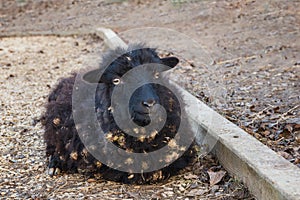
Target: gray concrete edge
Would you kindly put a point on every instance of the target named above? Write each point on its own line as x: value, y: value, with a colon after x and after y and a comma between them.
x: 264, y: 172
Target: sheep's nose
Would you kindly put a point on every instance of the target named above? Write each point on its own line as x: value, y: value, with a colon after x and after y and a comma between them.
x: 149, y: 103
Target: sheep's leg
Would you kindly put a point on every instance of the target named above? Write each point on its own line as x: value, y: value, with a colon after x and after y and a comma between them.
x: 54, y: 166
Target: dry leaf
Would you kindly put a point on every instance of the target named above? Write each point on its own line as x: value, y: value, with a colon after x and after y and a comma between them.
x: 191, y: 176
x: 289, y: 127
x: 215, y: 177
x: 284, y: 154
x: 196, y: 192
x: 266, y: 133
x: 297, y: 136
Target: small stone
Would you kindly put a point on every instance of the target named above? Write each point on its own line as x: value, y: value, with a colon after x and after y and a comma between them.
x: 169, y: 193
x: 164, y: 195
x: 91, y: 180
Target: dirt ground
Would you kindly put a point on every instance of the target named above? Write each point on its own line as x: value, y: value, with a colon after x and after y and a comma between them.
x: 254, y: 46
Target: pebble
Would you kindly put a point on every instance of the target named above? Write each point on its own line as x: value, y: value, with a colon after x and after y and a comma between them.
x: 164, y: 195
x: 169, y: 189
x: 181, y: 189
x: 91, y: 180
x: 169, y: 193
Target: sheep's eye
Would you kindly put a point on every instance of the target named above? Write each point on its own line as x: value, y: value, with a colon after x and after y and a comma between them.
x: 156, y: 75
x: 116, y: 81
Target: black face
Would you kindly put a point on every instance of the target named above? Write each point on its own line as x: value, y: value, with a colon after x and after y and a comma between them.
x: 142, y: 102
x: 145, y: 97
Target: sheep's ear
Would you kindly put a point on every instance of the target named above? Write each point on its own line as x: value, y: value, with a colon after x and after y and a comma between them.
x: 170, y: 61
x: 92, y: 76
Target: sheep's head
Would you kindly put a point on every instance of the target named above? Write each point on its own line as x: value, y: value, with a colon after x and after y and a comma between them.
x: 118, y: 63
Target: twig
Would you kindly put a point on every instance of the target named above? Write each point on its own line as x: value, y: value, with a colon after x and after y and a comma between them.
x: 235, y: 59
x: 7, y: 170
x: 45, y: 33
x: 282, y: 117
x: 131, y: 194
x: 257, y: 115
x: 58, y: 188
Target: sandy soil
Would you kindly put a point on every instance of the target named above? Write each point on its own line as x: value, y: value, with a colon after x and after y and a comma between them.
x: 254, y: 46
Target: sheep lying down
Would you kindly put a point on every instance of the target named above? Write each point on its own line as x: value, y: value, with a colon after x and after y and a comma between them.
x: 64, y: 145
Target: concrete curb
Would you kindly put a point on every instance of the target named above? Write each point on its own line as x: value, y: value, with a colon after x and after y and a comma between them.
x: 264, y: 172
x: 110, y: 38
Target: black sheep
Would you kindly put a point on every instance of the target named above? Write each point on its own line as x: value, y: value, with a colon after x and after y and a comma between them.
x: 66, y: 149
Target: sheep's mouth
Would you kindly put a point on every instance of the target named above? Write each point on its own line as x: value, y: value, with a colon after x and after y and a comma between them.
x: 142, y: 112
x: 141, y: 118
